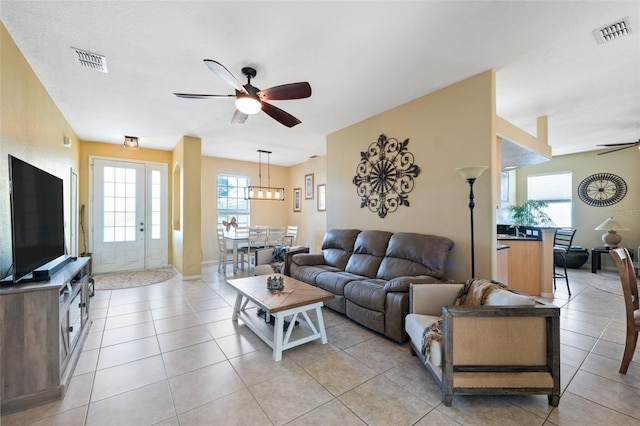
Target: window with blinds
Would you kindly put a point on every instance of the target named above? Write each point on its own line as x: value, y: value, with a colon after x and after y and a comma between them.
x: 555, y: 190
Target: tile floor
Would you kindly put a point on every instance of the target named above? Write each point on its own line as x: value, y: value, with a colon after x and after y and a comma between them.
x: 169, y: 354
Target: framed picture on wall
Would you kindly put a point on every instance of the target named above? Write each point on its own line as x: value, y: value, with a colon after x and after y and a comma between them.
x: 297, y: 199
x: 308, y: 187
x: 322, y: 197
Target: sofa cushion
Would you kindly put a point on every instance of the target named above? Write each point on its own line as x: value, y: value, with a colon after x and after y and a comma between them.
x: 369, y: 294
x: 367, y: 317
x: 364, y: 265
x: 415, y: 254
x: 308, y: 274
x: 335, y: 282
x: 370, y: 247
x: 372, y: 242
x: 506, y: 297
x: 337, y: 246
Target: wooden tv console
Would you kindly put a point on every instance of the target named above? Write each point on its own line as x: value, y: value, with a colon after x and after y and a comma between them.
x: 43, y: 326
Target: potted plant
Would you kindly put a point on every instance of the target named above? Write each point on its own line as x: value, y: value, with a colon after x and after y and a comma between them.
x: 530, y: 213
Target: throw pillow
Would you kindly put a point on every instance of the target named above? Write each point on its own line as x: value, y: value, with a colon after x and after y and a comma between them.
x: 505, y: 297
x: 278, y: 253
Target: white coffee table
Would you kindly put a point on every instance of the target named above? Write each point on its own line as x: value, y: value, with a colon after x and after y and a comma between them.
x: 297, y: 298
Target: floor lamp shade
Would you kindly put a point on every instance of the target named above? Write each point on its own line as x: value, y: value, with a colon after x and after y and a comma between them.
x: 470, y: 174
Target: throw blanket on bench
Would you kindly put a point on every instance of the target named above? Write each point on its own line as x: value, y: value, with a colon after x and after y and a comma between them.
x: 474, y: 293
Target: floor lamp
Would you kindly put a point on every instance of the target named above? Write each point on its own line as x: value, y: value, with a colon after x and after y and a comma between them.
x: 470, y: 174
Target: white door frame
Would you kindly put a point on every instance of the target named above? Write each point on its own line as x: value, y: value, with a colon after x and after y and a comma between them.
x: 156, y: 249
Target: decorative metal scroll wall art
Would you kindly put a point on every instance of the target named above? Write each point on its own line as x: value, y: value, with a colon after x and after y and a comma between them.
x: 384, y: 177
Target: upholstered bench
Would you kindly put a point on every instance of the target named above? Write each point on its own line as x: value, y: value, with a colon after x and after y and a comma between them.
x: 508, y: 346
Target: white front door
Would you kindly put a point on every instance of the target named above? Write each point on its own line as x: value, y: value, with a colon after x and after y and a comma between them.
x: 129, y: 228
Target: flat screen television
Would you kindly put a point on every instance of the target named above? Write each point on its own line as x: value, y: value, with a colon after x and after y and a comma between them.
x: 37, y: 221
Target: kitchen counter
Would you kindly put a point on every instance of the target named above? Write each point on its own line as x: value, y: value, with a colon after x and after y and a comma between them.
x: 523, y: 261
x: 513, y: 237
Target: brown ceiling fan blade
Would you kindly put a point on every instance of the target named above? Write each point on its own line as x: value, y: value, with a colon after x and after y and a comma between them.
x: 219, y: 70
x: 619, y: 149
x: 238, y: 117
x: 280, y: 115
x: 194, y: 96
x: 286, y: 91
x: 621, y: 144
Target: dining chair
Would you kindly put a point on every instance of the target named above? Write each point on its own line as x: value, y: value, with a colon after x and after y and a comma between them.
x: 242, y: 232
x: 291, y: 235
x: 257, y: 239
x: 275, y: 236
x: 561, y: 245
x: 225, y: 253
x: 630, y: 292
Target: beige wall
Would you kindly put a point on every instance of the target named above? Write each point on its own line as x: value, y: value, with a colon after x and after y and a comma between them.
x: 585, y: 218
x: 175, y: 215
x: 32, y: 129
x: 311, y: 223
x: 185, y: 213
x: 191, y: 207
x: 450, y: 128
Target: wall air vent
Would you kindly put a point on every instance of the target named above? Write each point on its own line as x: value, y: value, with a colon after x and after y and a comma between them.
x: 612, y: 32
x: 90, y: 60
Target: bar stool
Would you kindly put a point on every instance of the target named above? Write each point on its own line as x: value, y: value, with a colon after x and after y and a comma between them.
x: 561, y: 244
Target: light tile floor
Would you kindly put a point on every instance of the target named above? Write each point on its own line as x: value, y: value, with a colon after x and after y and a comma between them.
x: 169, y: 354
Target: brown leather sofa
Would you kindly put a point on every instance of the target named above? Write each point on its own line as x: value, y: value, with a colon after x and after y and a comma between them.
x: 369, y: 272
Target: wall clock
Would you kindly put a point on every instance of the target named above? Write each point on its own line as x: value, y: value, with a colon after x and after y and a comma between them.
x: 384, y: 176
x: 602, y: 189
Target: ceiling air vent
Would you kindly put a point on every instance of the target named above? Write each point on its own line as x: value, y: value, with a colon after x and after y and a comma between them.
x: 90, y: 60
x: 613, y: 31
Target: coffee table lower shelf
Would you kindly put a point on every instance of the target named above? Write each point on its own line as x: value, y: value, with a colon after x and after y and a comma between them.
x: 274, y: 335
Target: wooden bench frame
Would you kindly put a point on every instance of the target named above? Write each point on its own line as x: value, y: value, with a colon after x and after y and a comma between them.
x: 551, y: 315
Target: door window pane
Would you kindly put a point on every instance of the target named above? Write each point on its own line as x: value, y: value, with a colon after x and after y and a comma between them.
x: 119, y: 204
x: 156, y: 193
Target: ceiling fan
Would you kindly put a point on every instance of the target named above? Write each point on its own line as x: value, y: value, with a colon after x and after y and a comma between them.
x: 250, y: 99
x: 621, y: 146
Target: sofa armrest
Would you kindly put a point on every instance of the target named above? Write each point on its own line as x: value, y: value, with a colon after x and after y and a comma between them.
x: 401, y: 284
x: 288, y: 258
x: 308, y: 259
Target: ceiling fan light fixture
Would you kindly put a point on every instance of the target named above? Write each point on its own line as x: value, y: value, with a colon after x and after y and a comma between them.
x: 131, y: 142
x: 248, y: 104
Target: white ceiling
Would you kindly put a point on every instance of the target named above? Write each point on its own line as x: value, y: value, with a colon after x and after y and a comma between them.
x: 361, y: 58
